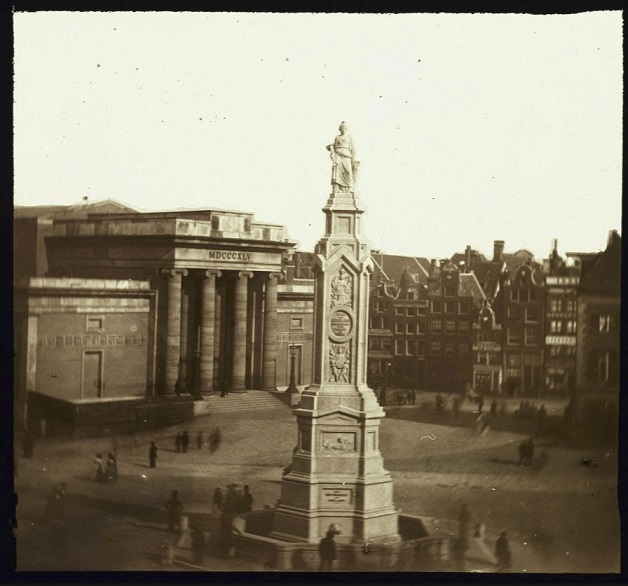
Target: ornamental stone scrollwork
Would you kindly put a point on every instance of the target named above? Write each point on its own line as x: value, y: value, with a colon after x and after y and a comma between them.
x: 339, y: 355
x: 341, y: 289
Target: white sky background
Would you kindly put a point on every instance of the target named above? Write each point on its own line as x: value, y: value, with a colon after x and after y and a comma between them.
x: 469, y: 128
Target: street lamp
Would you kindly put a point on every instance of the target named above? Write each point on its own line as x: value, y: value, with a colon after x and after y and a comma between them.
x: 292, y: 387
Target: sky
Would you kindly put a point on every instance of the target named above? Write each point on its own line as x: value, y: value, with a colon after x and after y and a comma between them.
x: 469, y: 128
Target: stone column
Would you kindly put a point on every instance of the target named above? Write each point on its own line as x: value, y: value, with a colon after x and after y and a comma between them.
x: 208, y: 317
x: 270, y: 333
x: 173, y: 328
x: 183, y: 343
x: 239, y: 332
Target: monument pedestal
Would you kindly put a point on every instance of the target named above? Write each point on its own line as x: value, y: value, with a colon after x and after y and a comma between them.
x: 337, y: 477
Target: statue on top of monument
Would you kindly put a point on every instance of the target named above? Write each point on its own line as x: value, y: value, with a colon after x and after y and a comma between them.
x: 344, y: 164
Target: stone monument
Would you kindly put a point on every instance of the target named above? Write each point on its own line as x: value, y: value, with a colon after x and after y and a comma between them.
x: 337, y: 478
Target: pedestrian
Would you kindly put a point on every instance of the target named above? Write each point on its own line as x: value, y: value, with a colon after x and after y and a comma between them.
x: 111, y: 469
x: 480, y: 400
x: 231, y: 506
x: 198, y: 541
x: 28, y: 444
x: 494, y: 408
x: 464, y: 524
x: 214, y: 440
x: 174, y: 508
x: 200, y: 440
x: 55, y: 506
x: 530, y: 451
x: 152, y: 455
x: 414, y: 396
x: 440, y: 403
x: 99, y: 469
x: 455, y: 406
x: 503, y: 554
x: 327, y: 552
x: 542, y: 415
x: 247, y: 500
x: 177, y: 387
x: 178, y: 440
x: 185, y: 441
x: 523, y: 451
x: 218, y: 501
x: 409, y: 397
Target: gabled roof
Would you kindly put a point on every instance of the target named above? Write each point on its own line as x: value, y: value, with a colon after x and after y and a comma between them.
x: 487, y: 274
x: 390, y: 267
x: 603, y: 275
x: 468, y: 286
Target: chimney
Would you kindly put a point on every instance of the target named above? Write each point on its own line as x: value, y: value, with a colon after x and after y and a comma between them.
x: 498, y: 250
x: 467, y: 259
x: 432, y: 267
x: 85, y: 199
x: 554, y: 258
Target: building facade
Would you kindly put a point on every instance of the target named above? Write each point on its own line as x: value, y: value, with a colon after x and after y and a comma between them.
x: 487, y: 352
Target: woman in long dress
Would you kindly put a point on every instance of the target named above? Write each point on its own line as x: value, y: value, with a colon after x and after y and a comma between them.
x: 342, y: 154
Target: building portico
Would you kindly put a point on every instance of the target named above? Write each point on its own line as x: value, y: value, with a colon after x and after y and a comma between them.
x: 215, y: 273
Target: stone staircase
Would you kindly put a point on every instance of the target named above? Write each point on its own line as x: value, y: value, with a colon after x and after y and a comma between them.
x: 249, y: 401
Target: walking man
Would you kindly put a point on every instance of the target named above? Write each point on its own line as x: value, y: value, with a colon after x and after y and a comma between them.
x: 177, y: 442
x: 152, y: 455
x: 174, y: 508
x: 247, y: 500
x: 327, y: 552
x: 503, y: 553
x: 185, y: 441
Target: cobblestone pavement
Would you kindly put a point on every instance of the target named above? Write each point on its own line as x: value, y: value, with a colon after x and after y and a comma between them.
x: 560, y: 516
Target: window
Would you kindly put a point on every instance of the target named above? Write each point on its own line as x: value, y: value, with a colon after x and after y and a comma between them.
x: 450, y: 290
x: 410, y: 328
x: 532, y: 337
x: 296, y: 323
x: 399, y: 327
x: 450, y: 307
x: 463, y: 348
x: 437, y: 306
x: 410, y: 348
x: 463, y: 306
x: 94, y: 323
x: 386, y: 344
x: 556, y: 326
x: 554, y: 351
x: 421, y: 327
x: 410, y: 311
x: 571, y: 306
x: 602, y: 322
x: 556, y: 305
x: 450, y: 326
x: 514, y: 360
x: 514, y: 312
x: 532, y: 314
x: 571, y: 326
x: 531, y: 294
x: 421, y: 310
x: 435, y: 347
x: 449, y: 348
x: 399, y: 311
x: 463, y: 327
x: 374, y: 343
x: 514, y: 295
x: 514, y: 336
x: 420, y: 348
x: 400, y: 347
x: 437, y: 326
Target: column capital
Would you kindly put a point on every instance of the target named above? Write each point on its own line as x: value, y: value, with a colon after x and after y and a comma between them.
x: 276, y: 276
x: 244, y: 274
x: 209, y: 273
x: 175, y: 272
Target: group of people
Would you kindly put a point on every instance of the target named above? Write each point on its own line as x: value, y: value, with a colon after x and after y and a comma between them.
x: 233, y: 501
x: 182, y: 440
x: 407, y: 397
x: 105, y: 471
